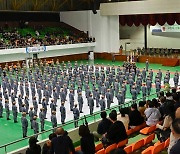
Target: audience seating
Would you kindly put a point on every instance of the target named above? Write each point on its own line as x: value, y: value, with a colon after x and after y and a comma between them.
x: 122, y: 143
x: 110, y: 148
x: 98, y: 147
x: 135, y: 129
x: 148, y: 130
x: 149, y: 139
x: 128, y: 149
x: 137, y: 145
x: 102, y: 151
x: 158, y: 147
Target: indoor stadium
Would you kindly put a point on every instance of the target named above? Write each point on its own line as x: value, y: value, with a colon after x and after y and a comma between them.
x: 89, y: 76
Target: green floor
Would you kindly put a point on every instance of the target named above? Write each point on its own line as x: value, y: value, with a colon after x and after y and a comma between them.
x: 10, y: 132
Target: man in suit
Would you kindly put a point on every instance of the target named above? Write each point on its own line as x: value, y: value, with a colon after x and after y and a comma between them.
x: 62, y: 144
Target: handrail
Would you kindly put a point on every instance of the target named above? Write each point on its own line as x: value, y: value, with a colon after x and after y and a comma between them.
x: 72, y: 121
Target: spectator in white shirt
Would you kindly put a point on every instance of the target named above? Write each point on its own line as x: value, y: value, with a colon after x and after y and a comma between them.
x: 124, y: 118
x: 152, y: 114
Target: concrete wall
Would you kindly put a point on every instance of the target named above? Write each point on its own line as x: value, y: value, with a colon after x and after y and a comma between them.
x: 105, y: 29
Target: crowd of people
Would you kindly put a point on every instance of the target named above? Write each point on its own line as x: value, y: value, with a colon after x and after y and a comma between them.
x: 163, y: 111
x: 14, y: 39
x: 37, y: 89
x: 158, y: 51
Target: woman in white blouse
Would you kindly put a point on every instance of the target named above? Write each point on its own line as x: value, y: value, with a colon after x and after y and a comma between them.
x: 124, y: 118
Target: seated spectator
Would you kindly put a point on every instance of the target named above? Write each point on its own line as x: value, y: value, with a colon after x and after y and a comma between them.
x: 161, y: 94
x: 135, y: 117
x: 176, y: 101
x: 156, y: 103
x: 152, y: 114
x: 103, y: 126
x: 172, y: 138
x: 169, y: 96
x: 116, y: 132
x: 87, y: 140
x: 124, y: 118
x: 163, y: 131
x: 34, y: 148
x: 47, y: 146
x: 175, y: 129
x: 142, y: 108
x: 62, y: 144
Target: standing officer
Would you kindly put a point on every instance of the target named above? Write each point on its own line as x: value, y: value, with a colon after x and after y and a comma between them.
x: 147, y: 65
x: 39, y: 93
x: 71, y: 99
x: 80, y: 101
x: 63, y: 113
x: 35, y: 104
x: 24, y: 122
x: 26, y: 102
x: 42, y: 118
x: 120, y: 98
x: 102, y: 103
x: 15, y: 112
x: 76, y: 115
x: 109, y: 98
x: 1, y: 108
x: 35, y: 125
x: 134, y: 93
x: 97, y: 94
x: 91, y: 104
x: 144, y: 91
x: 7, y: 109
x: 54, y: 120
x: 31, y: 115
x: 149, y: 85
x: 44, y: 105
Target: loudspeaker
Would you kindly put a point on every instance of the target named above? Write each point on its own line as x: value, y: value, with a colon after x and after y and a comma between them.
x: 35, y: 56
x: 95, y: 6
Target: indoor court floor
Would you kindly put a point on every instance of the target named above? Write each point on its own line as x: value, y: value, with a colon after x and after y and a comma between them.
x: 10, y: 132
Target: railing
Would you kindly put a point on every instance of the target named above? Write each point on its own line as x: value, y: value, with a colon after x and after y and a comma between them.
x: 90, y: 118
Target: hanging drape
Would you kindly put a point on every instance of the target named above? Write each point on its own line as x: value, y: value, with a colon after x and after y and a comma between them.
x: 151, y: 19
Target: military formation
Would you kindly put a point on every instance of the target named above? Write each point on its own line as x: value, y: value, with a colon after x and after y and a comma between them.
x: 45, y: 85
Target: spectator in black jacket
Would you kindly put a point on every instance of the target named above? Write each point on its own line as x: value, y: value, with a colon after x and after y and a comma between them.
x: 103, y: 126
x: 116, y: 132
x: 47, y: 146
x: 33, y: 147
x: 87, y: 140
x: 135, y: 117
x: 62, y: 144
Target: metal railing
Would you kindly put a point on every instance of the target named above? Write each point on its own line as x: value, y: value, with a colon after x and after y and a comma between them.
x: 89, y: 118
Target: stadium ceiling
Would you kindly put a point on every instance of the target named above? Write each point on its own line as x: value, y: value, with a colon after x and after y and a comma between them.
x: 48, y: 5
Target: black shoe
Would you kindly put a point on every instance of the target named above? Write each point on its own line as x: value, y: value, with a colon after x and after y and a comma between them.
x: 8, y: 119
x: 31, y: 128
x: 71, y: 109
x: 24, y: 136
x: 42, y: 130
x: 81, y: 112
x: 15, y: 121
x: 45, y: 118
x: 97, y: 106
x: 1, y: 116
